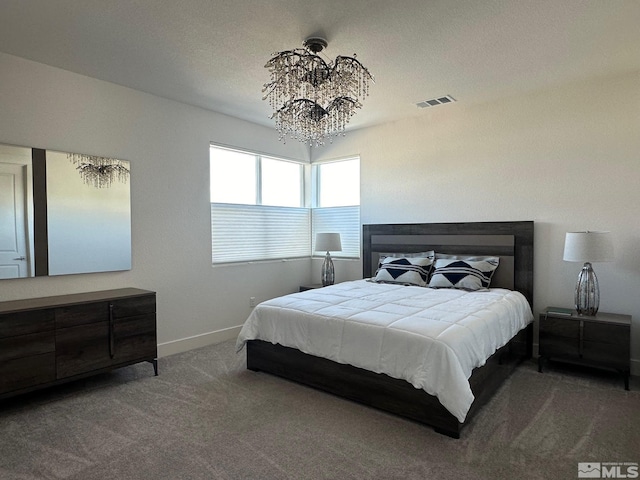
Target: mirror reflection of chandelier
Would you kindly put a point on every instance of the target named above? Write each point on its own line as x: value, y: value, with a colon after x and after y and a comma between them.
x: 100, y: 172
x: 314, y: 100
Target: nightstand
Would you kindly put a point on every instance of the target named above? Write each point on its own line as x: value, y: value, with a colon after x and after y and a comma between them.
x: 602, y: 340
x: 304, y: 288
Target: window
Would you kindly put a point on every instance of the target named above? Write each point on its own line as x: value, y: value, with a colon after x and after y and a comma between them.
x: 337, y: 203
x: 233, y: 177
x: 281, y: 183
x: 246, y: 178
x: 257, y: 207
x: 338, y: 183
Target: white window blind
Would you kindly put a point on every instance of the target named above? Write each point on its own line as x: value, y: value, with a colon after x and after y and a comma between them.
x: 241, y: 233
x: 344, y: 220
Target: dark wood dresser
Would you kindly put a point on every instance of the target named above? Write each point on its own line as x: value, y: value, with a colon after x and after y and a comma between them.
x: 602, y: 340
x: 51, y: 340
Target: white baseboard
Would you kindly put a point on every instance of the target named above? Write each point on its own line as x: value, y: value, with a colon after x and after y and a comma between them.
x: 197, y: 341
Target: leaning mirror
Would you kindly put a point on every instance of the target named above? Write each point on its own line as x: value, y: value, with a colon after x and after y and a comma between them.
x: 88, y: 220
x: 63, y: 213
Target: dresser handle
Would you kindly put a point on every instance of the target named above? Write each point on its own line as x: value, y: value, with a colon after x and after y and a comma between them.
x: 112, y: 347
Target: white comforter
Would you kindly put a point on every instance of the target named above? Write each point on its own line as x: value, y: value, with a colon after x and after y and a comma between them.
x: 432, y: 338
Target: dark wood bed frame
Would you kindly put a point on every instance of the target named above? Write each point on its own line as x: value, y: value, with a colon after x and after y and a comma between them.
x: 511, y: 241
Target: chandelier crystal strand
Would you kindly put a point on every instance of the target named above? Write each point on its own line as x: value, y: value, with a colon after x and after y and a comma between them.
x: 100, y: 172
x: 313, y: 100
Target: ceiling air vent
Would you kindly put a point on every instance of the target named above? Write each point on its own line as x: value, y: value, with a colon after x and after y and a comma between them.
x: 436, y: 101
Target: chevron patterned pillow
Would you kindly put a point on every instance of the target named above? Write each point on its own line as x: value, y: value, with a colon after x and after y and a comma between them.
x: 464, y: 274
x: 405, y: 270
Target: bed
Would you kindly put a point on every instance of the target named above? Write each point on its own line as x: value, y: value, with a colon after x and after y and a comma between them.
x: 406, y: 392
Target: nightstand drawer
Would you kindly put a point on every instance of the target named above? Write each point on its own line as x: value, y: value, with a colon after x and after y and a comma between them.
x: 606, y: 354
x: 551, y: 345
x: 560, y: 327
x: 603, y: 333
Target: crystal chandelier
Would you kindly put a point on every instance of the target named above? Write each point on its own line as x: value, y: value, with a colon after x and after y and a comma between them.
x: 312, y: 99
x: 100, y: 172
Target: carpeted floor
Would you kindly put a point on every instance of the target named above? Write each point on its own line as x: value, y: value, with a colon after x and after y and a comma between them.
x: 206, y: 417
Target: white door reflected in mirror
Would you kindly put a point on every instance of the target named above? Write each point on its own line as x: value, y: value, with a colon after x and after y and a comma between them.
x: 14, y: 234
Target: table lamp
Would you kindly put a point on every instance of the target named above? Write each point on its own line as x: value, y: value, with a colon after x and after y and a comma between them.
x: 328, y: 242
x: 587, y: 247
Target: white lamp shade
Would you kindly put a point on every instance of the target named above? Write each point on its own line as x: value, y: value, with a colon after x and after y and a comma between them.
x: 328, y: 242
x: 588, y: 247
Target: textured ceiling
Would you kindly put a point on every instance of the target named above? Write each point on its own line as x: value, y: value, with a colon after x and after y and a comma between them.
x: 211, y: 53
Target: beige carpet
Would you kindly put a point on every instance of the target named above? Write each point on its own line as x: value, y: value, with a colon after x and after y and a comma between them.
x: 206, y: 417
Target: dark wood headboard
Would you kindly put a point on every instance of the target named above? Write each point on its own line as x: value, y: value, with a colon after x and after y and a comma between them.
x: 511, y: 241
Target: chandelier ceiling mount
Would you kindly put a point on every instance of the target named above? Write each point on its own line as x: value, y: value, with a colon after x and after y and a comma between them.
x: 313, y: 100
x: 315, y: 44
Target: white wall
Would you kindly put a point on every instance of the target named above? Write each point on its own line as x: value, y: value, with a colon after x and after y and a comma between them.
x: 567, y: 158
x: 167, y: 144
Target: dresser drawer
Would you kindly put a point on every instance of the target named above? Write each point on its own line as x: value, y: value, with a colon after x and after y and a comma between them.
x: 82, y: 314
x: 131, y: 307
x: 135, y: 338
x: 26, y: 372
x: 24, y: 323
x: 26, y: 345
x: 82, y: 348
